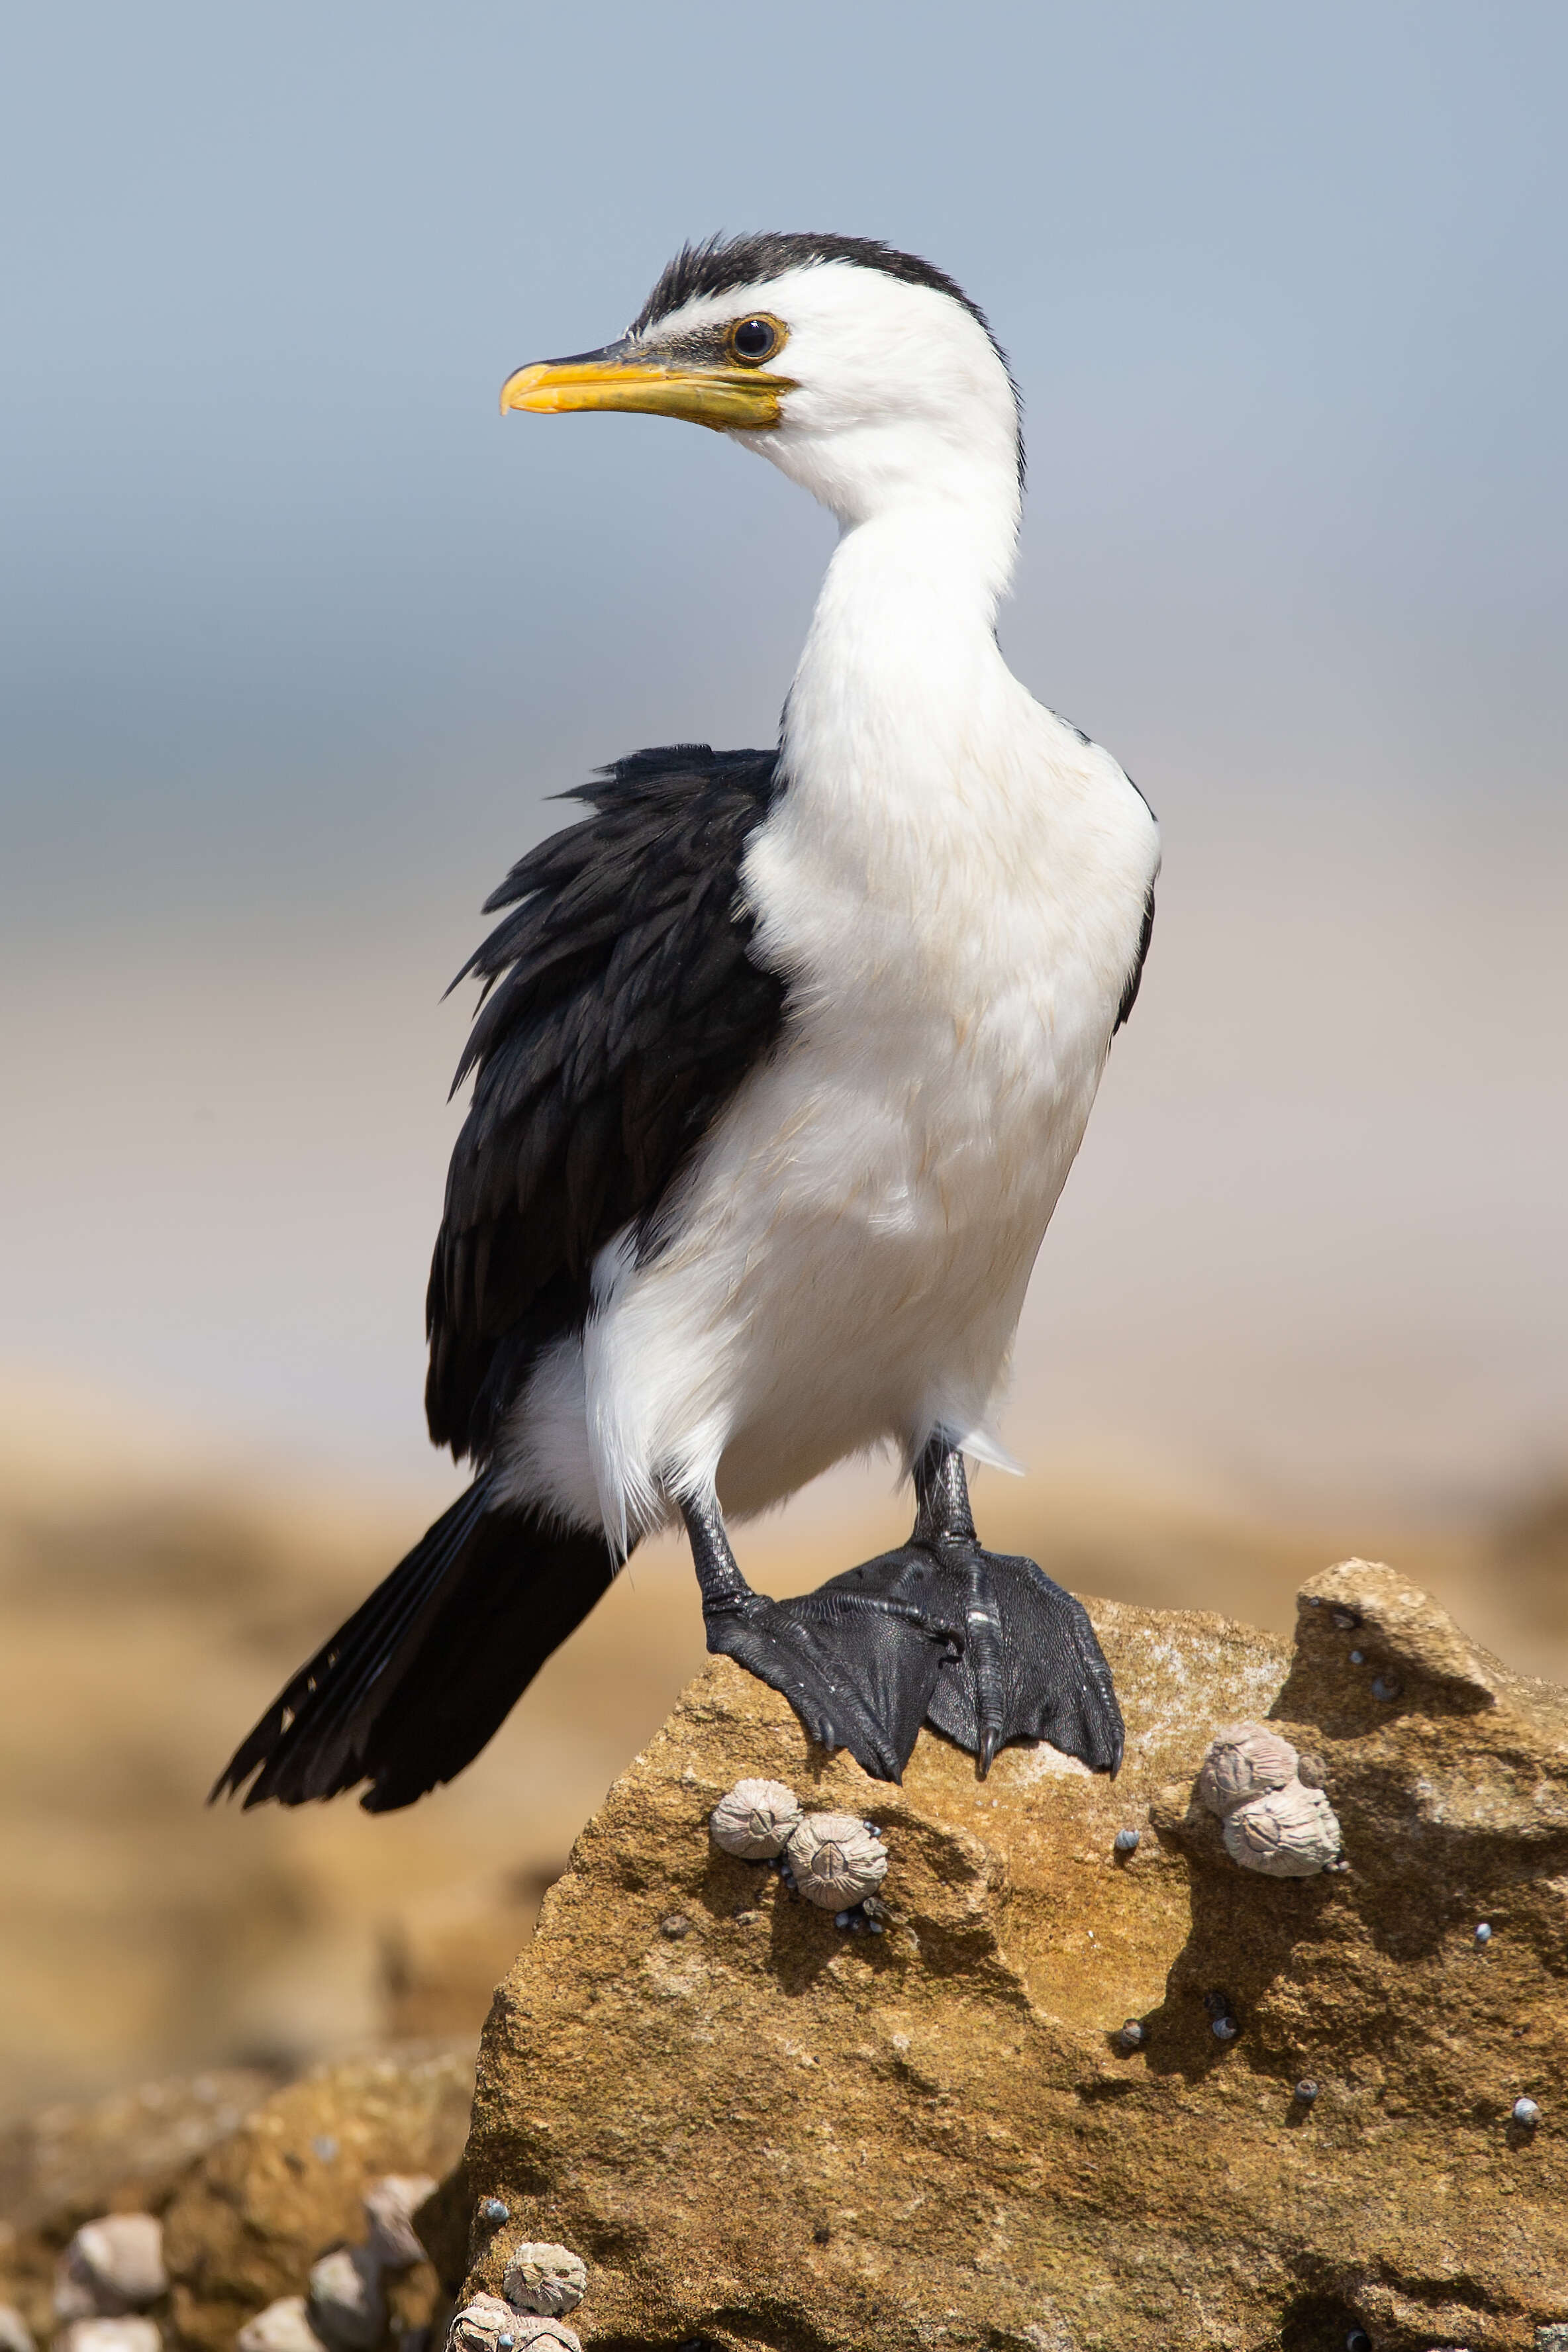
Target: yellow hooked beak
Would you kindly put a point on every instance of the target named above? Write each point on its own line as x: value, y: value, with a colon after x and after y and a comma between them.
x: 728, y: 399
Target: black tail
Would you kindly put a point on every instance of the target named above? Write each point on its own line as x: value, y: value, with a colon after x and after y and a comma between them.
x: 408, y: 1691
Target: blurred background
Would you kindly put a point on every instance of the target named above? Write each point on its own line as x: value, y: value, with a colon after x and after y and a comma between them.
x: 298, y: 636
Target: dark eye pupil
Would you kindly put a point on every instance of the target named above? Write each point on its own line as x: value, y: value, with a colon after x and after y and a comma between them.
x: 755, y: 339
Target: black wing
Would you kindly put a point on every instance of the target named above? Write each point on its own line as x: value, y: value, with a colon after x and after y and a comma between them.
x: 621, y: 1010
x: 1135, y: 977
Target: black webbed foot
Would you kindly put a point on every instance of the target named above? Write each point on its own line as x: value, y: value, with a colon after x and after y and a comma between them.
x: 857, y: 1659
x: 980, y: 1644
x: 1031, y: 1667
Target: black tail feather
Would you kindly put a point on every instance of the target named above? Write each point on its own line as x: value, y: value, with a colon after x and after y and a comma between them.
x: 411, y: 1687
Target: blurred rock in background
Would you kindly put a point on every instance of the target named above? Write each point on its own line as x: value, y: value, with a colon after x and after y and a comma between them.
x: 243, y: 2186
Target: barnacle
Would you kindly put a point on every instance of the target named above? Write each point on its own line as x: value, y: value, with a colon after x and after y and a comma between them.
x: 836, y: 1859
x: 1274, y: 1820
x: 545, y: 2279
x: 756, y: 1820
x: 346, y: 2303
x: 1244, y: 1760
x: 390, y: 2205
x: 129, y: 2332
x: 1291, y: 1832
x: 480, y: 2324
x: 283, y: 2326
x: 111, y: 2267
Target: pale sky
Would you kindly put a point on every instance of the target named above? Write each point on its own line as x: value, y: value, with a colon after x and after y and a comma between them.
x: 296, y: 634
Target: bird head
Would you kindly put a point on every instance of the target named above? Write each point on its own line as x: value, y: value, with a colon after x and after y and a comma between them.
x: 862, y: 372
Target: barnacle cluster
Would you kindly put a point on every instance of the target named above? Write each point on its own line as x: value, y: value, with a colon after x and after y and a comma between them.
x: 489, y: 2324
x: 541, y: 2282
x: 114, y: 2269
x: 836, y: 1860
x: 1273, y: 1820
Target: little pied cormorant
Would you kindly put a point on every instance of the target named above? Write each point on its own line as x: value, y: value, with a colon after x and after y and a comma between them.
x: 782, y: 1061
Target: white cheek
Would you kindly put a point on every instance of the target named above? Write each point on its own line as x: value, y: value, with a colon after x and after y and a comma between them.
x: 899, y: 392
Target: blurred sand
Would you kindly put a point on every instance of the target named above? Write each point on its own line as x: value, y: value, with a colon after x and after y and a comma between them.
x: 152, y: 1607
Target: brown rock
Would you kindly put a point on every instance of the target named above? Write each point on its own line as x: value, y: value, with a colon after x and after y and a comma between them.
x: 770, y: 2133
x: 253, y: 2217
x: 68, y: 2165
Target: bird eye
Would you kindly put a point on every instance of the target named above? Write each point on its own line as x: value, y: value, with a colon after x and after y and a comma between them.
x: 751, y: 340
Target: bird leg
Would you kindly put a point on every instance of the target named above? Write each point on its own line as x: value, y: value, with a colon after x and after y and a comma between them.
x: 944, y: 1524
x: 980, y: 1644
x: 1031, y: 1666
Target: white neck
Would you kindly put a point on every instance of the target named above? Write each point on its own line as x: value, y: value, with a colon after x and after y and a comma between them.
x: 900, y: 683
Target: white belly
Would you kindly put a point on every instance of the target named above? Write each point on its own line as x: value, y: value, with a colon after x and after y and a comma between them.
x: 869, y: 1288
x: 848, y: 1259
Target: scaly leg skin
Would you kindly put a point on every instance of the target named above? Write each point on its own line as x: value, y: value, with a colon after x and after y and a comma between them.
x: 982, y: 1647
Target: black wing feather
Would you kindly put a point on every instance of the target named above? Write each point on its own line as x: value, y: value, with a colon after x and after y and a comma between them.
x: 363, y: 1651
x: 408, y: 1691
x: 621, y: 1008
x: 1135, y: 977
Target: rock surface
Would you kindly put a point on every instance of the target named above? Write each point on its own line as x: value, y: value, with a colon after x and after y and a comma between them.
x: 761, y: 2132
